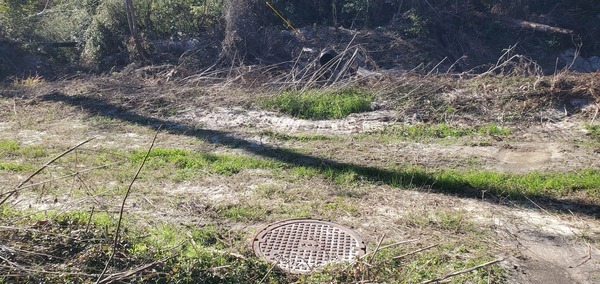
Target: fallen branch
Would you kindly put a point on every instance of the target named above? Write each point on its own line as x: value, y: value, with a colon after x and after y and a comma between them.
x: 462, y: 271
x: 390, y: 245
x: 122, y: 276
x: 413, y: 252
x: 587, y: 257
x: 376, y: 249
x: 522, y: 24
x: 67, y: 176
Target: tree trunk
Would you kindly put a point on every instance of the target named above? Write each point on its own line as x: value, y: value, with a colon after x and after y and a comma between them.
x: 132, y: 21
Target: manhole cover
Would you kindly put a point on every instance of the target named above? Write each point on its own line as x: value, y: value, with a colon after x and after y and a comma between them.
x: 301, y: 245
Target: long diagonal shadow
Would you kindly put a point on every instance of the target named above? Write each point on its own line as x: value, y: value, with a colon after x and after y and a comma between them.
x: 445, y: 185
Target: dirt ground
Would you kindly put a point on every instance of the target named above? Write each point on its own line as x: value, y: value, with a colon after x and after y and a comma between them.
x: 540, y: 242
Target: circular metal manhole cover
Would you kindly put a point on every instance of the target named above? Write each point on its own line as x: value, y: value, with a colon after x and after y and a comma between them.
x: 301, y: 245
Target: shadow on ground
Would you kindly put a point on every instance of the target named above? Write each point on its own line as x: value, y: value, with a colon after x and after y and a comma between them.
x: 401, y: 179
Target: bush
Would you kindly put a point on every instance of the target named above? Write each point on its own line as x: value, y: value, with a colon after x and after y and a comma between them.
x: 107, y: 32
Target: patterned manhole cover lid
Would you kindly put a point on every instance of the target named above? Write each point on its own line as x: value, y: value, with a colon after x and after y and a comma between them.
x: 301, y: 245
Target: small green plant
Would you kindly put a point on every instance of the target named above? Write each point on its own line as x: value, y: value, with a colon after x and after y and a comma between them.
x: 342, y: 205
x: 406, y: 265
x: 418, y: 24
x: 319, y: 104
x: 593, y: 130
x: 9, y: 146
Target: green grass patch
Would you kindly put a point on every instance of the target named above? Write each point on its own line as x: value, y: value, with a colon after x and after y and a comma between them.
x: 213, y: 163
x: 14, y: 167
x: 14, y: 148
x: 242, y: 212
x: 299, y: 137
x: 320, y: 104
x: 473, y: 183
x: 529, y: 184
x: 9, y: 146
x: 593, y: 130
x: 419, y: 132
x: 454, y: 221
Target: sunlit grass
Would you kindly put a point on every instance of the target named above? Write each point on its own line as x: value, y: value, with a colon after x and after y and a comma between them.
x: 213, y: 163
x: 320, y: 104
x: 418, y: 132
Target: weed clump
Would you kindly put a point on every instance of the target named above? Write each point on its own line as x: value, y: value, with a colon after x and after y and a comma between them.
x: 319, y: 104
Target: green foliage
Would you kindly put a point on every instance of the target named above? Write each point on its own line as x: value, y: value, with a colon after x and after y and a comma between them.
x: 9, y: 146
x: 351, y: 11
x: 107, y: 32
x: 182, y: 18
x: 417, y: 26
x: 72, y: 241
x: 318, y: 104
x: 14, y: 23
x: 472, y: 183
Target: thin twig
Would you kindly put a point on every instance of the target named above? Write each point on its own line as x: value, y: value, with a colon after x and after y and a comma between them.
x: 119, y: 277
x: 87, y: 226
x: 18, y: 187
x: 595, y: 114
x: 376, y: 248
x: 29, y: 252
x: 269, y: 271
x: 67, y: 176
x: 436, y: 66
x: 410, y: 253
x: 391, y: 245
x: 462, y: 271
x: 398, y: 243
x: 116, y: 239
x: 539, y: 207
x: 587, y: 257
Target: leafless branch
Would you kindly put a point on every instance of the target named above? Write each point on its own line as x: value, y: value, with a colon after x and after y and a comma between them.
x: 116, y: 239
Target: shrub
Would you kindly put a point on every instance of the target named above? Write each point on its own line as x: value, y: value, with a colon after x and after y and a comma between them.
x: 107, y: 33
